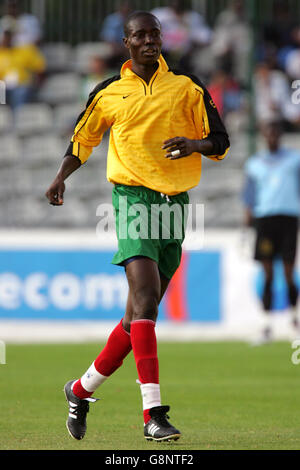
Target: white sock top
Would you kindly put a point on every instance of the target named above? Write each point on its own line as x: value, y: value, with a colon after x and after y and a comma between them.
x: 150, y: 395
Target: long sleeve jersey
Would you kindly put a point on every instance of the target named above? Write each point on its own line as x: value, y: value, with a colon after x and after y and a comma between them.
x: 141, y: 117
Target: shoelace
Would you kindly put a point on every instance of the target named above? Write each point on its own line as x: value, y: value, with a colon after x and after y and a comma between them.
x: 162, y: 420
x: 81, y: 409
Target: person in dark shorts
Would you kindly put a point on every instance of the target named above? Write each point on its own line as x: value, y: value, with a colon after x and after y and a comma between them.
x: 272, y: 200
x: 161, y: 121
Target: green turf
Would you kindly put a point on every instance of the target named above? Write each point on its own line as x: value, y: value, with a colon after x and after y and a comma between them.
x: 222, y: 396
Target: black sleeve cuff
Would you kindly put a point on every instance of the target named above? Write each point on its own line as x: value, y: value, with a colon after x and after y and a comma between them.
x: 220, y: 143
x: 69, y: 150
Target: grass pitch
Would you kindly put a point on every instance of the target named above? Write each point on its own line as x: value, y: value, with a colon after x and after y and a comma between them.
x: 222, y: 396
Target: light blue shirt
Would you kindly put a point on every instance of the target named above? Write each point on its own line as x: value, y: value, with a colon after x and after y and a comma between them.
x: 112, y: 29
x: 273, y: 183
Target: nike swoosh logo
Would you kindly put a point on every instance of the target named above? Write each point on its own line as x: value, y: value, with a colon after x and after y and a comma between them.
x: 124, y: 97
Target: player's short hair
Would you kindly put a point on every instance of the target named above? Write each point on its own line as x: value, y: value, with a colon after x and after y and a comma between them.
x: 276, y: 124
x: 134, y: 16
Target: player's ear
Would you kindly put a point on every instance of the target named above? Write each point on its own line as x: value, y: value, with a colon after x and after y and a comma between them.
x: 125, y: 41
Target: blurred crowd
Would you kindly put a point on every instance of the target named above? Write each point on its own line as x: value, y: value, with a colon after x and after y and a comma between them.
x: 219, y: 54
x: 47, y: 85
x: 22, y: 64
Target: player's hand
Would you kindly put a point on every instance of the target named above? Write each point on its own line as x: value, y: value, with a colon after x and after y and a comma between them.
x: 55, y: 193
x: 181, y: 145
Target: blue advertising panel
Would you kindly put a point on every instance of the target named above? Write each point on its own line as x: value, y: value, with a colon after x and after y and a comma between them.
x: 84, y: 285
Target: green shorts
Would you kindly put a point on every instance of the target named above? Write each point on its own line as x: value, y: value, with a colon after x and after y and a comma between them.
x: 150, y: 224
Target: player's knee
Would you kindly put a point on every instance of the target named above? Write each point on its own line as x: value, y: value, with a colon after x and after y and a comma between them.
x: 126, y: 324
x: 145, y: 306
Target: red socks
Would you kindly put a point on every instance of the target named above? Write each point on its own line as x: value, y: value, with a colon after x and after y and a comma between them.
x: 142, y: 339
x: 118, y: 346
x: 144, y: 346
x: 111, y: 358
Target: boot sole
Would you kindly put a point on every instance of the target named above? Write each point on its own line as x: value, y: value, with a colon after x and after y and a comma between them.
x: 173, y: 437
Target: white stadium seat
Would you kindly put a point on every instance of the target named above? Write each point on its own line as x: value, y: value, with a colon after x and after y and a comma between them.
x: 33, y: 119
x: 59, y: 56
x: 6, y: 119
x: 85, y: 51
x: 65, y: 117
x: 42, y: 151
x: 10, y: 150
x: 60, y: 88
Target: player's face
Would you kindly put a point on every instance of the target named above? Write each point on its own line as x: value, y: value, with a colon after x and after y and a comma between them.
x: 144, y: 40
x: 272, y: 135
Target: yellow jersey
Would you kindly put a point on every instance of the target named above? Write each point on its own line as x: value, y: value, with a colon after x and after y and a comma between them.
x: 18, y: 64
x: 141, y: 117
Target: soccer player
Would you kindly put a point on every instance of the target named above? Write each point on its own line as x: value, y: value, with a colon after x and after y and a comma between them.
x: 272, y: 201
x: 161, y: 121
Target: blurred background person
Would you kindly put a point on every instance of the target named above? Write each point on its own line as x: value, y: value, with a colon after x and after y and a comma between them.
x: 272, y: 201
x: 183, y: 30
x: 26, y: 26
x: 98, y: 72
x: 277, y: 34
x: 272, y: 91
x: 290, y: 57
x: 231, y: 40
x: 113, y: 31
x: 227, y: 95
x: 21, y: 68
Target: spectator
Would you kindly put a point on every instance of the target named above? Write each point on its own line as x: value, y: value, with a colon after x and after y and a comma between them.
x: 26, y: 26
x: 19, y: 66
x: 279, y: 31
x: 292, y: 64
x: 232, y: 40
x: 290, y: 56
x: 225, y: 92
x: 228, y: 97
x: 182, y: 29
x: 113, y: 32
x: 273, y: 96
x: 280, y: 34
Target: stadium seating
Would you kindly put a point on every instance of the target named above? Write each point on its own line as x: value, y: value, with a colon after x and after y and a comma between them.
x: 60, y: 88
x: 35, y: 118
x: 42, y: 151
x: 65, y: 116
x: 6, y: 119
x: 6, y: 187
x: 85, y: 51
x: 72, y: 214
x: 59, y: 57
x: 31, y: 212
x: 10, y: 151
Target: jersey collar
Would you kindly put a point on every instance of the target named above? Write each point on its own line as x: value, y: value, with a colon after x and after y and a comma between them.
x: 126, y: 69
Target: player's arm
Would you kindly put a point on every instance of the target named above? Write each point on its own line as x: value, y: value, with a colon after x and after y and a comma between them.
x: 88, y: 133
x: 248, y: 199
x: 248, y: 217
x: 55, y: 192
x: 214, y: 142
